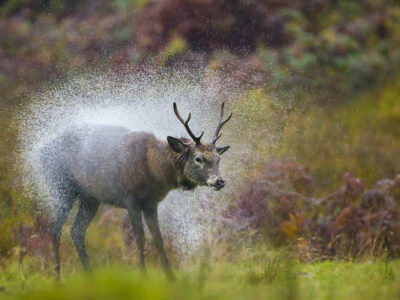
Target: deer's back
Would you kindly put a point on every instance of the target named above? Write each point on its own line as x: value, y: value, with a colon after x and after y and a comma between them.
x: 96, y: 158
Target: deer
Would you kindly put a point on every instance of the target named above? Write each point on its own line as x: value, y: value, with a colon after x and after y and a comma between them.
x: 127, y: 169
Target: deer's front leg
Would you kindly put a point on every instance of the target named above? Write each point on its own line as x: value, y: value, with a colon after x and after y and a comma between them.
x: 151, y: 216
x: 135, y: 214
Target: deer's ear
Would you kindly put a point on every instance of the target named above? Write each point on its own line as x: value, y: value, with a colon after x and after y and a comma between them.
x: 221, y: 150
x: 177, y: 145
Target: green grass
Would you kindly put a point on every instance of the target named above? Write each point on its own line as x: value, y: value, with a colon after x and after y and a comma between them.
x: 247, y: 279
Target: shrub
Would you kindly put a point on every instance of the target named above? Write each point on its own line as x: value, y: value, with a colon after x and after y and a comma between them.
x: 272, y: 205
x: 348, y: 223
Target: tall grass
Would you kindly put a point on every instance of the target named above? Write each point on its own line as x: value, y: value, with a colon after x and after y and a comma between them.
x: 361, y: 136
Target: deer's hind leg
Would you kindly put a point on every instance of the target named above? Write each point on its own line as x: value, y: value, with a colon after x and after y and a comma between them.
x: 64, y: 192
x: 62, y: 209
x: 87, y: 210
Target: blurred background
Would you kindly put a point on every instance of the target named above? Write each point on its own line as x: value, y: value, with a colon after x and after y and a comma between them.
x: 318, y: 80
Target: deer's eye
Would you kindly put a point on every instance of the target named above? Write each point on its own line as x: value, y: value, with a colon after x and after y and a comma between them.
x: 198, y: 159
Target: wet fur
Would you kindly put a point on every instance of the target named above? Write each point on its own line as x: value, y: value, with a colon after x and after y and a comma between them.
x: 132, y: 170
x: 108, y: 164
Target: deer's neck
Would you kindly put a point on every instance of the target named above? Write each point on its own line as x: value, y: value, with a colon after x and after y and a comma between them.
x: 174, y: 170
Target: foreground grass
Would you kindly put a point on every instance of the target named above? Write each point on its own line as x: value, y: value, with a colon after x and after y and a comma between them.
x: 270, y: 279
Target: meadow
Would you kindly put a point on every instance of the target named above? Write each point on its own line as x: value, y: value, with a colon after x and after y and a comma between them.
x: 312, y: 205
x: 280, y: 262
x: 269, y: 277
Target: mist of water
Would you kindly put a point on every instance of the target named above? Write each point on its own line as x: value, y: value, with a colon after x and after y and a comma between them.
x: 140, y: 102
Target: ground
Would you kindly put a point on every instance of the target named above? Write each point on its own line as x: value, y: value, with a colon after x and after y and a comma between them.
x: 272, y: 278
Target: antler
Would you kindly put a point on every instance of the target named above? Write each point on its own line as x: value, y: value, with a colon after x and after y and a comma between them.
x: 186, y: 124
x: 220, y: 124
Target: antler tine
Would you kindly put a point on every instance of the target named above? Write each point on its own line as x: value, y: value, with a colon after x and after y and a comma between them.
x: 216, y: 139
x: 221, y: 123
x: 186, y: 124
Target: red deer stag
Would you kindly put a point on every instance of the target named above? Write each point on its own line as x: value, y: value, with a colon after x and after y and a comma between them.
x: 132, y: 170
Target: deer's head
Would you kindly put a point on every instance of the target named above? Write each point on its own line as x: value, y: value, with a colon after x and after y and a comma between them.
x: 199, y: 161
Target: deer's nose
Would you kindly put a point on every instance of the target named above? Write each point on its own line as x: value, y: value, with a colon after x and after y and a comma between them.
x: 220, y: 183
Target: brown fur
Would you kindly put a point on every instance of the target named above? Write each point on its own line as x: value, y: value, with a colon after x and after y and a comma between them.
x: 131, y: 170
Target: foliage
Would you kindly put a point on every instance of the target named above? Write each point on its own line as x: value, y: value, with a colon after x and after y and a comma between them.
x: 348, y: 223
x: 270, y: 206
x: 361, y: 137
x: 324, y: 46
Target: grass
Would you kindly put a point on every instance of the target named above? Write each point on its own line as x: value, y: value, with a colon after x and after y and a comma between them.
x: 361, y: 136
x: 248, y: 279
